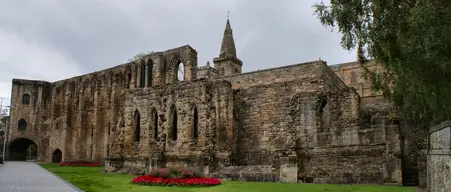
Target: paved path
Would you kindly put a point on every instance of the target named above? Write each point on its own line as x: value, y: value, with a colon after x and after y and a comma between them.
x: 30, y: 177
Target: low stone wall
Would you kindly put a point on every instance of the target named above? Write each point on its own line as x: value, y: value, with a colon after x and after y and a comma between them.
x: 439, y: 158
x: 259, y: 173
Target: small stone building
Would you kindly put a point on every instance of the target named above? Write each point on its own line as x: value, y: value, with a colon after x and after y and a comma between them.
x: 307, y: 122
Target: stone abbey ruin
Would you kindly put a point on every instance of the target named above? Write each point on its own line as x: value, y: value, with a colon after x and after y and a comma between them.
x: 309, y: 122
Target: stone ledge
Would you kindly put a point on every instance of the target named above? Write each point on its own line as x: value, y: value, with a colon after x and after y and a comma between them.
x: 262, y: 173
x: 439, y: 152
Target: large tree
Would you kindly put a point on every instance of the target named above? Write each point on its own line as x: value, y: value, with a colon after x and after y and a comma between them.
x: 410, y: 39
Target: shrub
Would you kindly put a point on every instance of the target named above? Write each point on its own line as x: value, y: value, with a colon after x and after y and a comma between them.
x: 175, y: 173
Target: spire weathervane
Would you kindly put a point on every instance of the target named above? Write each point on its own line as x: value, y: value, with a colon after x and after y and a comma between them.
x: 228, y: 13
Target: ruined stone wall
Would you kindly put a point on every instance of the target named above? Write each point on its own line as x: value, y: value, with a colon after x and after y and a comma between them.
x: 289, y: 73
x: 331, y: 80
x: 307, y: 108
x: 340, y: 146
x: 211, y: 100
x: 439, y: 158
x: 261, y: 108
x: 30, y: 102
x: 281, y: 123
x: 76, y: 110
x: 206, y: 72
x: 77, y: 115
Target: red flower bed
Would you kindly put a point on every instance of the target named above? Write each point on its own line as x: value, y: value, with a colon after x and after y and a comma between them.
x: 175, y: 177
x: 80, y: 163
x: 195, y: 181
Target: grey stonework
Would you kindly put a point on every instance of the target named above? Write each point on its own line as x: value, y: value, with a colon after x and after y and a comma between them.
x: 302, y: 122
x: 439, y: 158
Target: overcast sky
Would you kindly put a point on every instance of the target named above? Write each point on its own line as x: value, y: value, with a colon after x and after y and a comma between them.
x: 57, y: 39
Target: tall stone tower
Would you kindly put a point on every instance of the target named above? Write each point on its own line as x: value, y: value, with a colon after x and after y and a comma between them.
x: 227, y: 63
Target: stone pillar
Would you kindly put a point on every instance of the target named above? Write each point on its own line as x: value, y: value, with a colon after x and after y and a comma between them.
x: 289, y: 169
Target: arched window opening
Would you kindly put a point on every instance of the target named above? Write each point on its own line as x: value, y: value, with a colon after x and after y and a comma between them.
x: 353, y: 77
x: 155, y: 124
x: 149, y: 74
x: 237, y: 71
x: 324, y: 115
x: 142, y: 76
x: 22, y: 125
x: 26, y: 99
x: 137, y: 127
x: 195, y: 123
x: 221, y: 72
x: 180, y: 71
x: 174, y: 124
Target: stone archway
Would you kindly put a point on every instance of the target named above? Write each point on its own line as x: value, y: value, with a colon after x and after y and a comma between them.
x: 57, y: 156
x: 22, y: 149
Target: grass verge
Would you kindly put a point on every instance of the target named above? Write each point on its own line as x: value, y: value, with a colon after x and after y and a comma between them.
x: 91, y: 179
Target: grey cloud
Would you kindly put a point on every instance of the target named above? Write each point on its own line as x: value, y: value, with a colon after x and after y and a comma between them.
x: 97, y: 34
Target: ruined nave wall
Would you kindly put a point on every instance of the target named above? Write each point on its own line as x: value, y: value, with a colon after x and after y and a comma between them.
x: 76, y: 115
x: 211, y: 100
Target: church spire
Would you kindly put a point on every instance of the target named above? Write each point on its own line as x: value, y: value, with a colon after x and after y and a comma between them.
x: 228, y: 63
x: 228, y: 44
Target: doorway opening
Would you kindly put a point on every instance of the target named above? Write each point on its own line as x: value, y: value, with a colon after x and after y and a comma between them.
x: 57, y: 156
x: 22, y: 149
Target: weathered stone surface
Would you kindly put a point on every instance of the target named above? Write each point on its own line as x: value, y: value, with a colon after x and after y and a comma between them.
x: 439, y: 158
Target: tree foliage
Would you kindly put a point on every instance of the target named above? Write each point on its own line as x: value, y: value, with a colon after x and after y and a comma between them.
x: 410, y: 39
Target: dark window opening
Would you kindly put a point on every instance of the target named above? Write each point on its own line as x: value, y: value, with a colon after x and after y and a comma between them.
x: 137, y: 126
x: 92, y: 140
x: 324, y: 117
x: 174, y: 124
x: 108, y: 140
x: 195, y: 124
x: 142, y: 76
x: 26, y: 99
x: 155, y: 124
x: 22, y: 125
x: 323, y: 105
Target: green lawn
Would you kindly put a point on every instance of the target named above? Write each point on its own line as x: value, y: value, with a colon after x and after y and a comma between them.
x: 91, y: 179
